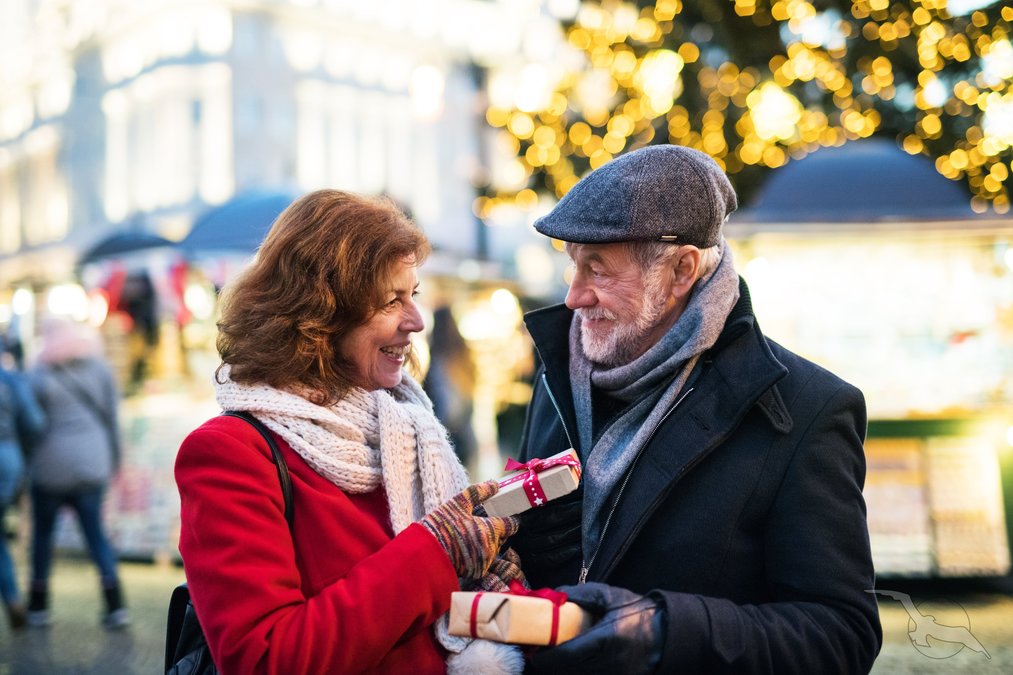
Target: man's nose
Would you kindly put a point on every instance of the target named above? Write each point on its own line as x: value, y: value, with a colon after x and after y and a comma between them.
x: 579, y: 294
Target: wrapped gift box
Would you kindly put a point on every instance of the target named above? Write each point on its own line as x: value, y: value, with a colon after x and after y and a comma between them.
x: 515, y: 619
x: 528, y: 488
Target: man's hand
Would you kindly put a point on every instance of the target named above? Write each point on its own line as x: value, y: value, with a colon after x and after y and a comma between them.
x: 628, y: 638
x: 549, y: 540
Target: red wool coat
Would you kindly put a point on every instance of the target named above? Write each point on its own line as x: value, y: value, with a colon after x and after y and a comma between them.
x: 338, y: 595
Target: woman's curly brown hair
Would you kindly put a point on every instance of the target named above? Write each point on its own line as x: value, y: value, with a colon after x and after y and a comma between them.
x: 322, y: 271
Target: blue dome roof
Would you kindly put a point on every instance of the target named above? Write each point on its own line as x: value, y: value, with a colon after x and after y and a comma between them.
x: 867, y: 181
x: 239, y: 224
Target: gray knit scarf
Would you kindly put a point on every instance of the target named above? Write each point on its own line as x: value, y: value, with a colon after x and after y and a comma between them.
x: 651, y: 385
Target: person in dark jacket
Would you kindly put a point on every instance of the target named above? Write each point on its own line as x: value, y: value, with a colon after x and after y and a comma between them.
x: 720, y: 524
x: 21, y: 419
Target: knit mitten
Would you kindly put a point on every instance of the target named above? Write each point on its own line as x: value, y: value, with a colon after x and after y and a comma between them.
x: 471, y: 541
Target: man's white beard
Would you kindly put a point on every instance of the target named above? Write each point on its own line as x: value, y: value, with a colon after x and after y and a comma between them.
x: 625, y: 341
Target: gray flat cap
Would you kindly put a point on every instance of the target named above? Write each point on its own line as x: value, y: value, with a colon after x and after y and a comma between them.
x: 657, y: 193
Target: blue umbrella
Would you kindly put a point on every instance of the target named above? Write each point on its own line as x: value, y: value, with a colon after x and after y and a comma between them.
x: 122, y: 243
x: 238, y: 225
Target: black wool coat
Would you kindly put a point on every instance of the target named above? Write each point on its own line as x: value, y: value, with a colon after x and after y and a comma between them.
x: 744, y: 510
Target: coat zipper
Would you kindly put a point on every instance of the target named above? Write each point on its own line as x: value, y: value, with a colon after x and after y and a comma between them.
x: 559, y: 413
x: 585, y: 568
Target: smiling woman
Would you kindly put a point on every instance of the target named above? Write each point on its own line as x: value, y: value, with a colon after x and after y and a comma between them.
x: 314, y: 337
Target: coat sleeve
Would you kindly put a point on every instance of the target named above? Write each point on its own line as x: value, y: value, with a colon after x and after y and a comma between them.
x: 242, y: 569
x: 818, y: 567
x: 29, y: 416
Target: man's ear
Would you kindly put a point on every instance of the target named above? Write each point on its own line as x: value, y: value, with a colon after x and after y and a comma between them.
x: 685, y: 269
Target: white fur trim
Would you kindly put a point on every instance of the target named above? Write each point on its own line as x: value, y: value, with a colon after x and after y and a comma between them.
x: 483, y: 657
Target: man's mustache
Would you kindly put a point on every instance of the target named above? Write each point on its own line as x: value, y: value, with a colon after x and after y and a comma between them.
x: 596, y: 314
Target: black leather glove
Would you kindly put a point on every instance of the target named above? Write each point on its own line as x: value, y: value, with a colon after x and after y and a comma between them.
x: 549, y: 541
x: 628, y: 636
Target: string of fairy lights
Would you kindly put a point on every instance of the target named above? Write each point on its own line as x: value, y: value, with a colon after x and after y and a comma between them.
x: 652, y: 72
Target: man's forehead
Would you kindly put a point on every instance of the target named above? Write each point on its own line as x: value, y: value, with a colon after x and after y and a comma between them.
x: 611, y: 251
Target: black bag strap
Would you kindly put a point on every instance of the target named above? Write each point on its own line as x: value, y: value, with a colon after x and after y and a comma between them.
x: 283, y: 476
x: 174, y: 626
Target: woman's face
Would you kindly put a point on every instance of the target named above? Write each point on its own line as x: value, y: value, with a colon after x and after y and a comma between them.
x: 378, y: 348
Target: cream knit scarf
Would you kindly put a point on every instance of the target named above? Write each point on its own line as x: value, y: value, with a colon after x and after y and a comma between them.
x: 387, y: 437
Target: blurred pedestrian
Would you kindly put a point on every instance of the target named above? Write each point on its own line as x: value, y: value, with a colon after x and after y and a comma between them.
x: 450, y: 383
x: 74, y: 460
x: 21, y: 420
x: 314, y: 337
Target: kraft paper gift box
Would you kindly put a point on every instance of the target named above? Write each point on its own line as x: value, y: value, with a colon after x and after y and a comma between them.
x: 515, y: 619
x: 538, y: 482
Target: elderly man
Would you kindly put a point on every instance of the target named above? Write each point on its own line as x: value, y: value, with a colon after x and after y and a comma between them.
x: 720, y: 526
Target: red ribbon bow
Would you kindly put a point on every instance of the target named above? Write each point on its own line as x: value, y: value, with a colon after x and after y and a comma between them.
x: 532, y: 487
x: 557, y: 598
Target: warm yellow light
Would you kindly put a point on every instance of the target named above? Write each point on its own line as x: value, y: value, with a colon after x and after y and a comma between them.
x: 931, y: 124
x: 534, y: 91
x: 689, y: 52
x: 594, y: 91
x: 665, y: 10
x: 22, y: 302
x: 580, y: 133
x: 198, y: 301
x: 68, y: 300
x: 504, y: 303
x: 521, y: 125
x: 998, y: 118
x: 98, y: 308
x: 775, y: 112
x: 658, y: 77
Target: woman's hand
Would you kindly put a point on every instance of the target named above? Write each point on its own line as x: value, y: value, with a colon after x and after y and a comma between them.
x: 504, y: 569
x: 471, y: 541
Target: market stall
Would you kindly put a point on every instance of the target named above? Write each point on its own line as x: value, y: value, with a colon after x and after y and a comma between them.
x: 865, y: 260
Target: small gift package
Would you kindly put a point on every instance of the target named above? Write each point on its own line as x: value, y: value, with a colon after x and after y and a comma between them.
x: 534, y: 483
x: 520, y: 617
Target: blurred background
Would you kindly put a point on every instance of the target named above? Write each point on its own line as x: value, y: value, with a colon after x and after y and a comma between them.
x: 147, y: 145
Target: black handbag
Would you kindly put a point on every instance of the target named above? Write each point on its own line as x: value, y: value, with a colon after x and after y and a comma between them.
x: 186, y: 648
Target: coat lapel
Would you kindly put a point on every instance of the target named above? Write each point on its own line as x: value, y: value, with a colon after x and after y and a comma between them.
x: 545, y: 326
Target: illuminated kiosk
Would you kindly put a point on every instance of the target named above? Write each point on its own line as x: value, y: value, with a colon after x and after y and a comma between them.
x: 867, y: 261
